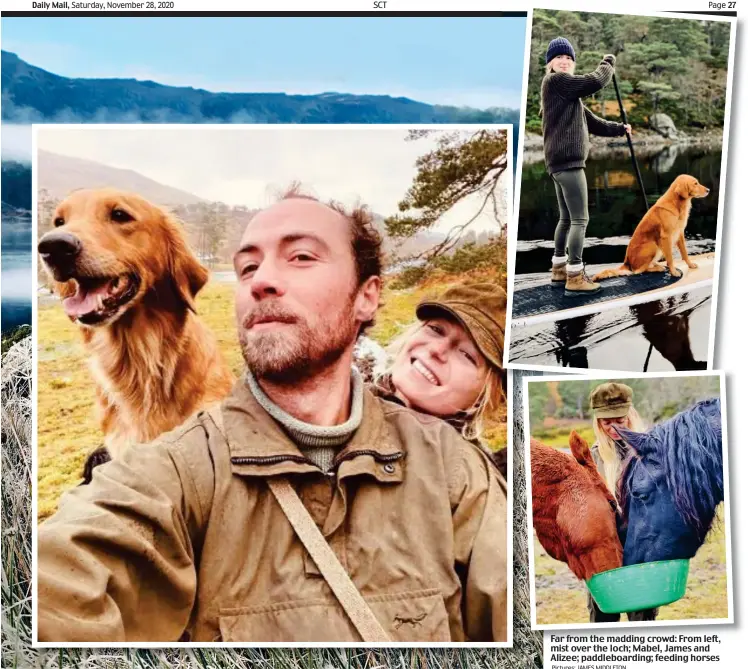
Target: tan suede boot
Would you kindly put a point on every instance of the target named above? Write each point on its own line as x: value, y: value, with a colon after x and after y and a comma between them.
x: 558, y: 273
x: 577, y: 283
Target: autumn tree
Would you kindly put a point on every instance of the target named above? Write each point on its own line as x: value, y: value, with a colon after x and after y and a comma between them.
x: 213, y: 226
x: 206, y: 224
x: 460, y: 166
x: 45, y: 209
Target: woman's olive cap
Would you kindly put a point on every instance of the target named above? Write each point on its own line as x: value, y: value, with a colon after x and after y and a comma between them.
x: 480, y: 308
x: 611, y: 400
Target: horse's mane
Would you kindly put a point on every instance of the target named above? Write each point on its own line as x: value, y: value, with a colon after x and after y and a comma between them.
x: 689, y: 449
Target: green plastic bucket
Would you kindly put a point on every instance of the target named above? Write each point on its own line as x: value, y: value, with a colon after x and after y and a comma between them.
x: 639, y: 586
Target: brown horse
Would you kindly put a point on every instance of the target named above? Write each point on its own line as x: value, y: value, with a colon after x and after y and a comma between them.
x: 573, y: 512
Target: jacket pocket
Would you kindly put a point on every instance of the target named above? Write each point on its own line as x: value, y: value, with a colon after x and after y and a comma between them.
x: 414, y: 616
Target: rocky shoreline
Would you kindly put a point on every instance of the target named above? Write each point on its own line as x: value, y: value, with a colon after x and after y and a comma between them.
x: 13, y: 336
x: 646, y: 143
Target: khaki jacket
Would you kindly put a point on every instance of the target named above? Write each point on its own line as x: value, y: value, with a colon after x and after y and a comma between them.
x: 182, y: 539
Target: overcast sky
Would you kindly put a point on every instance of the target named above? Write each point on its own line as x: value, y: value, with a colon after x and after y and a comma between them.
x: 249, y: 165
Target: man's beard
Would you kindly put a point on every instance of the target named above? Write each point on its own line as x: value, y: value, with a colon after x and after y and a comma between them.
x: 295, y: 351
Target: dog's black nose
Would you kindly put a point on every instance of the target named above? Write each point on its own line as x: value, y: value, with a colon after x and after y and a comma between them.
x: 59, y: 247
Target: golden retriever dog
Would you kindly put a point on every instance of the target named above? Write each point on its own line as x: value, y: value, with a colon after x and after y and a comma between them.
x: 128, y: 278
x: 659, y: 231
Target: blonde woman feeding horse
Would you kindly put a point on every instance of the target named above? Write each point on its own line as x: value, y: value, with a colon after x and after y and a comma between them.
x: 612, y: 406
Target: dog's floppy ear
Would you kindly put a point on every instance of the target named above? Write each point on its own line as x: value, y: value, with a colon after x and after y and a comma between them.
x: 682, y: 186
x: 188, y: 274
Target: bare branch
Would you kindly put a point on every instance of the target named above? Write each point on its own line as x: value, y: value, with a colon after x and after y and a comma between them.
x: 453, y: 236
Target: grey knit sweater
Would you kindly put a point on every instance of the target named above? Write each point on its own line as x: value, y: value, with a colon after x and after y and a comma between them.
x: 318, y: 443
x: 567, y: 123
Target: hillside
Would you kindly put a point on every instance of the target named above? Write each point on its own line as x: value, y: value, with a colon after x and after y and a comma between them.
x: 31, y: 94
x: 15, y: 187
x: 59, y: 175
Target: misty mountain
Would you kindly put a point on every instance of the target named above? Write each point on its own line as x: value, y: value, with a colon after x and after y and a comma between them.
x: 15, y: 186
x: 59, y: 175
x: 31, y: 94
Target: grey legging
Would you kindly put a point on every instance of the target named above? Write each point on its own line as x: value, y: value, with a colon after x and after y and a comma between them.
x: 571, y: 191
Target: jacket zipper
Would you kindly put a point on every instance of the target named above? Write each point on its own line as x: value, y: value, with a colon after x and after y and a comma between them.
x: 269, y: 459
x: 275, y: 459
x: 375, y: 454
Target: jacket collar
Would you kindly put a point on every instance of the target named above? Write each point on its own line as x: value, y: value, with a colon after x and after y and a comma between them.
x: 384, y: 389
x: 258, y: 446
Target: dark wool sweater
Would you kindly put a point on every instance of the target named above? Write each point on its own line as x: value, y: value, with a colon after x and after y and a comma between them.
x: 567, y: 122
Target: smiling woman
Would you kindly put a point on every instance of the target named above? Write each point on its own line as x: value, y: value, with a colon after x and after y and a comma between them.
x: 449, y: 363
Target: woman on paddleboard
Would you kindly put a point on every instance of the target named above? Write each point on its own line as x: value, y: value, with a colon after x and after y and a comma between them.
x: 567, y: 124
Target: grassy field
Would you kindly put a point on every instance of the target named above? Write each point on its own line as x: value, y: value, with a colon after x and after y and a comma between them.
x: 526, y: 653
x: 67, y: 425
x: 561, y: 598
x: 558, y: 437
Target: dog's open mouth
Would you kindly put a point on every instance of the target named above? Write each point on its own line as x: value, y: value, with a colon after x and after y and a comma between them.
x: 99, y: 298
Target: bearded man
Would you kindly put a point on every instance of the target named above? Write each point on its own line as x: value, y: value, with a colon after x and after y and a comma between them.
x: 185, y: 539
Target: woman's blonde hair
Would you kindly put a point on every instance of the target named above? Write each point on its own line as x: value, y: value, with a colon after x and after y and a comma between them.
x: 606, y: 447
x: 488, y: 402
x: 548, y: 70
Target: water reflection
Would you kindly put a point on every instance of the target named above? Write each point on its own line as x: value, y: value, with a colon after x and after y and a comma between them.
x: 615, y: 203
x: 668, y: 332
x: 662, y: 335
x: 664, y: 161
x: 16, y: 271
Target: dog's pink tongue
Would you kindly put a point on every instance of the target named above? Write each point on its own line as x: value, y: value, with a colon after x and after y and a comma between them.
x: 84, y: 301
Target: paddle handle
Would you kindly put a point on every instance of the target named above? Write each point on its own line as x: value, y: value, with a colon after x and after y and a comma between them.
x: 631, y: 145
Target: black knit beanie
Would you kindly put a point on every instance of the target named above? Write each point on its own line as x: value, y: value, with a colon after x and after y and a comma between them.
x: 559, y: 47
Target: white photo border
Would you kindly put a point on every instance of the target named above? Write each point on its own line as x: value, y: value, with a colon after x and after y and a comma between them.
x: 276, y: 127
x: 512, y: 237
x: 528, y: 477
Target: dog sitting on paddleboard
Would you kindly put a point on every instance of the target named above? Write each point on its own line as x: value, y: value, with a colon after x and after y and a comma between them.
x: 661, y: 229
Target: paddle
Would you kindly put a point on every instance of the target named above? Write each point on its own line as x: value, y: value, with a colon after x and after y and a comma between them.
x: 631, y: 145
x: 638, y: 178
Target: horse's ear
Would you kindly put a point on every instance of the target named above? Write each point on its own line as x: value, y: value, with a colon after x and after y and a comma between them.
x: 580, y: 449
x: 713, y: 410
x: 641, y: 442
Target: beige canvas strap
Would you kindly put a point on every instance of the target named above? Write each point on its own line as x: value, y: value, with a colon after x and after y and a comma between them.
x: 327, y: 562
x: 341, y: 584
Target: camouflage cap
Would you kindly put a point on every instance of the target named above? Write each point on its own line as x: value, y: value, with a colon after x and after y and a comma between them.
x: 611, y: 400
x: 480, y: 308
